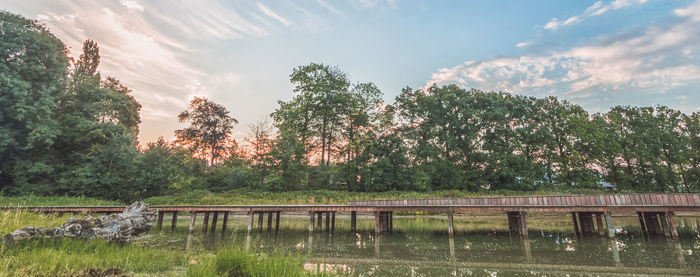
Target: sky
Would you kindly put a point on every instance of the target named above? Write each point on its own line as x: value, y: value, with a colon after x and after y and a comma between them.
x: 597, y: 54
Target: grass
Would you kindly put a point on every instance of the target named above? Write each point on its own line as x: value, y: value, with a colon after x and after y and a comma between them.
x: 242, y: 196
x: 34, y: 200
x: 149, y: 256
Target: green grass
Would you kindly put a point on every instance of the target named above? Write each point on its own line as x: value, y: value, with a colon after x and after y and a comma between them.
x: 34, y: 200
x: 240, y: 197
x: 148, y: 256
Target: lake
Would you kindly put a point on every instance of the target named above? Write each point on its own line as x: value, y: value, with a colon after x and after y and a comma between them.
x: 481, y: 246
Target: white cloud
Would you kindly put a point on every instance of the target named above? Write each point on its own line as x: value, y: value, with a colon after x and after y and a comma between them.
x: 523, y: 44
x: 655, y: 60
x: 692, y: 11
x: 330, y: 7
x: 132, y: 5
x: 267, y: 11
x: 596, y: 9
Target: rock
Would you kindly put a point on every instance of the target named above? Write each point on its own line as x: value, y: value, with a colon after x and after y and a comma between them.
x: 135, y: 219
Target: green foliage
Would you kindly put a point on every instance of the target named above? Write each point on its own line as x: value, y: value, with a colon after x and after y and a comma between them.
x: 209, y: 130
x: 33, y: 66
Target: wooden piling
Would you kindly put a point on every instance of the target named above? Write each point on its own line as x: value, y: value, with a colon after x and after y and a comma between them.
x: 332, y: 222
x: 517, y: 223
x: 260, y: 220
x: 586, y: 223
x: 311, y: 221
x: 391, y: 221
x: 377, y: 223
x: 193, y: 218
x: 320, y: 221
x: 608, y: 224
x: 353, y: 221
x: 224, y: 224
x: 450, y: 223
x: 160, y: 220
x: 269, y: 221
x: 328, y: 221
x: 214, y: 219
x: 599, y: 224
x: 642, y: 224
x: 576, y: 227
x: 205, y: 224
x: 251, y: 216
x: 277, y: 221
x: 174, y: 221
x: 671, y: 222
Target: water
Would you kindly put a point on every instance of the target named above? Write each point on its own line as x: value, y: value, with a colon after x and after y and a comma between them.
x: 481, y: 246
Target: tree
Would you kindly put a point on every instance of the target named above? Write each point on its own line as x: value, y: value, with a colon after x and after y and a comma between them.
x: 33, y: 66
x: 209, y: 130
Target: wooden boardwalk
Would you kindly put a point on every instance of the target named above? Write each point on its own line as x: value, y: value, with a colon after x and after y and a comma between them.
x: 591, y: 214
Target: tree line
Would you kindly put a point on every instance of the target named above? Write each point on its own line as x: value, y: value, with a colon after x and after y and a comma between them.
x: 65, y: 129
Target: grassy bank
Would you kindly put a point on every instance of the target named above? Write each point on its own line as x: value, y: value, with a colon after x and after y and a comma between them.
x: 325, y: 196
x: 150, y: 256
x: 252, y: 197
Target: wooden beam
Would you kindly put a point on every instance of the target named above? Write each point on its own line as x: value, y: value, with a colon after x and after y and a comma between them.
x: 214, y: 220
x: 599, y: 224
x: 377, y: 223
x: 670, y: 218
x: 251, y: 216
x: 277, y: 221
x: 320, y: 221
x: 332, y: 222
x: 576, y: 227
x: 205, y: 224
x: 450, y: 223
x: 193, y: 218
x: 174, y: 221
x: 269, y: 221
x: 353, y: 221
x: 609, y: 225
x: 260, y: 220
x: 224, y: 224
x: 328, y: 221
x: 160, y: 220
x: 311, y: 221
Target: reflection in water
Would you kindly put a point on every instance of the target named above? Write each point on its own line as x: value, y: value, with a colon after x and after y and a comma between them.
x: 420, y: 246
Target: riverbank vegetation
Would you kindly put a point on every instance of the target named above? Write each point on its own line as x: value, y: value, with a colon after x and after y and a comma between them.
x: 151, y: 255
x: 68, y: 130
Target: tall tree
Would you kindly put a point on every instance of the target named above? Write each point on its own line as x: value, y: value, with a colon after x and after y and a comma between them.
x: 209, y: 130
x: 33, y: 66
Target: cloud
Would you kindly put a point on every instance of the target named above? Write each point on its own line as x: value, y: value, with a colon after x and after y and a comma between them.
x: 330, y: 7
x: 132, y: 5
x: 267, y: 11
x: 596, y: 9
x: 523, y: 44
x: 653, y: 61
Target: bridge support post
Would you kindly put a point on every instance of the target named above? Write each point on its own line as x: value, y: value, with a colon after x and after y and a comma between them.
x: 251, y: 219
x: 671, y: 223
x: 608, y: 224
x: 193, y: 218
x: 277, y: 221
x: 353, y: 221
x: 586, y: 222
x: 332, y: 222
x: 269, y: 221
x: 214, y: 219
x: 261, y: 215
x: 377, y: 222
x: 517, y: 222
x: 328, y: 221
x: 312, y: 215
x: 576, y: 227
x: 205, y: 224
x: 160, y: 220
x: 599, y: 224
x: 174, y: 221
x: 391, y: 221
x: 450, y: 223
x: 651, y: 225
x: 224, y: 224
x: 320, y: 220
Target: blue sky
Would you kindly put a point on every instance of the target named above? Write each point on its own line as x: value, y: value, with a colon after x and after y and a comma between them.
x: 597, y: 54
